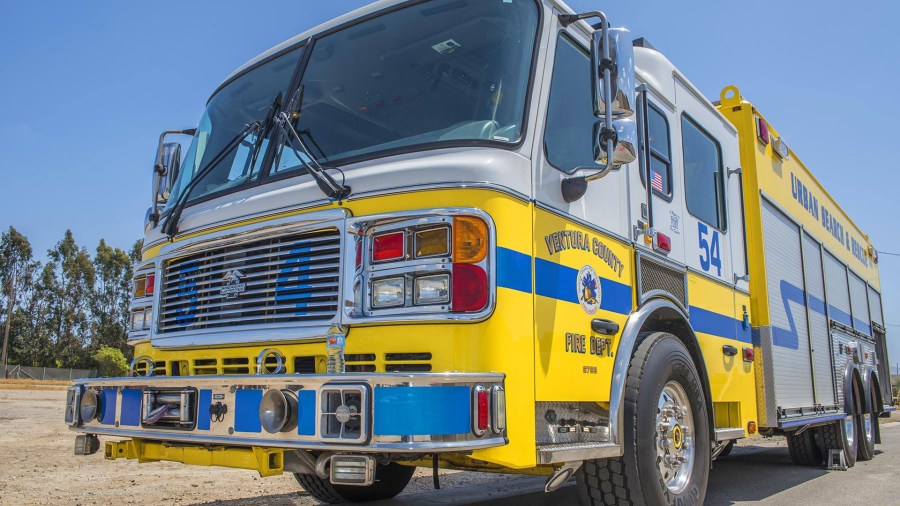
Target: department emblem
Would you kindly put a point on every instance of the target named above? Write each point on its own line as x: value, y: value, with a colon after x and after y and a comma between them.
x: 231, y: 284
x: 588, y: 287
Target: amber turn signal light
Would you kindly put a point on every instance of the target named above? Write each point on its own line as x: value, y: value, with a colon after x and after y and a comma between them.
x: 470, y: 240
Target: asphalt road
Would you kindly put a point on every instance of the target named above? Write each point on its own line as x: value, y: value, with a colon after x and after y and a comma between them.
x: 761, y: 474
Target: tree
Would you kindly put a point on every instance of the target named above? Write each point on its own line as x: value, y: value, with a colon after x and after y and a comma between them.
x: 69, y: 277
x: 110, y: 298
x: 110, y: 361
x: 15, y: 257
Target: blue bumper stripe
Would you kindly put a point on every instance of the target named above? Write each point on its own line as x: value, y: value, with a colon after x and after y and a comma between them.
x: 422, y: 411
x: 306, y: 412
x: 131, y: 407
x: 246, y: 410
x: 203, y: 416
x: 108, y: 406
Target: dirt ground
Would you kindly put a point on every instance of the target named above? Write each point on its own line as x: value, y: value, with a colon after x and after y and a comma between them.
x: 38, y: 466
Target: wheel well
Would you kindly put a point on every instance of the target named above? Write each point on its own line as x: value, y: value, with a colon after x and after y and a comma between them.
x: 667, y: 319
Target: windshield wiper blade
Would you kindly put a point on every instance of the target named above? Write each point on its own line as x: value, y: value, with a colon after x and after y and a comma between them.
x: 170, y: 226
x: 331, y: 188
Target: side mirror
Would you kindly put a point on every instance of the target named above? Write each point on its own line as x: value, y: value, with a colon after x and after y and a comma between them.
x: 626, y: 142
x: 171, y: 162
x: 621, y: 66
x: 165, y: 171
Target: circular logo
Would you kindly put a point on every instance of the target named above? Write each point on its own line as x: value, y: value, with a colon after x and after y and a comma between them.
x: 588, y: 287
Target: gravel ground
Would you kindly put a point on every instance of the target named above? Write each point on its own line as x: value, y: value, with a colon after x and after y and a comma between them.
x: 40, y: 468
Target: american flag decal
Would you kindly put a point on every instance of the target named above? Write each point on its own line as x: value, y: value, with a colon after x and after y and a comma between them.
x: 657, y: 183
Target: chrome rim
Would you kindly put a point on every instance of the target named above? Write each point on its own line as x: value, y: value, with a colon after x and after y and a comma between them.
x: 849, y: 431
x: 867, y: 425
x: 674, y: 437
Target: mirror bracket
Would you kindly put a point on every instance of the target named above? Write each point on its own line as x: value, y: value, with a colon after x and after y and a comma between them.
x: 159, y: 171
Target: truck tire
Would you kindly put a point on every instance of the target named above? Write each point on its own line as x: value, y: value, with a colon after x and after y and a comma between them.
x: 665, y: 436
x: 803, y: 448
x: 841, y: 435
x: 390, y: 480
x: 867, y: 424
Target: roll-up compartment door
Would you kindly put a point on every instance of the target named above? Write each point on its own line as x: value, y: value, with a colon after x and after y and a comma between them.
x: 791, y: 367
x: 818, y: 321
x: 860, y: 305
x: 875, y: 307
x: 836, y: 291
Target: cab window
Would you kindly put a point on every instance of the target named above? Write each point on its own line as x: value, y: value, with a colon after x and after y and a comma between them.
x: 660, y: 154
x: 569, y: 128
x: 703, y: 181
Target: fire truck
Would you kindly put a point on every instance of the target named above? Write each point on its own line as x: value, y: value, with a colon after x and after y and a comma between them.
x: 496, y: 236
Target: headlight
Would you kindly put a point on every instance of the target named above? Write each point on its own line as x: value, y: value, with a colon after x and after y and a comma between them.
x: 90, y: 405
x: 137, y: 319
x: 432, y: 290
x: 148, y: 317
x: 390, y: 292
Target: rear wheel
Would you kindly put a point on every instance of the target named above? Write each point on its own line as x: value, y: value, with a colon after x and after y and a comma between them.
x: 803, y: 448
x: 665, y: 435
x: 867, y: 425
x: 390, y: 480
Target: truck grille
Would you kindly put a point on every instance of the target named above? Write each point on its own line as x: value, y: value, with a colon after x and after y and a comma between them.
x: 291, y: 278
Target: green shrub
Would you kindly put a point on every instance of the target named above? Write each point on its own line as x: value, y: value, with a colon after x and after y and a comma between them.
x: 110, y: 361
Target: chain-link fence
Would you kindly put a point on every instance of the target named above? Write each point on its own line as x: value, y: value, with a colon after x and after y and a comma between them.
x: 46, y: 373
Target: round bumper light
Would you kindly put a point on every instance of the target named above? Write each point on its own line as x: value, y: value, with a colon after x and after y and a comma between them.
x: 90, y: 405
x: 278, y: 411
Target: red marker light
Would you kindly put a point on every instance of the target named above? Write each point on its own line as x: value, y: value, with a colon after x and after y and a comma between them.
x: 481, y: 402
x: 762, y: 130
x: 469, y: 288
x: 748, y: 355
x: 388, y: 246
x: 151, y: 283
x: 663, y: 242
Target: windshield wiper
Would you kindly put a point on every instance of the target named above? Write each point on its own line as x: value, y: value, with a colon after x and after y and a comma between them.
x: 331, y: 188
x: 170, y: 226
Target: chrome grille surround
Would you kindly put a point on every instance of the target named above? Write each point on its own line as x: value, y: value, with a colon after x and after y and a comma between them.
x: 290, y: 267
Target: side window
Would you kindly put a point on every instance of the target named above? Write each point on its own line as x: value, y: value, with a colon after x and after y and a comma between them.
x: 660, y: 154
x: 570, y: 116
x: 703, y: 181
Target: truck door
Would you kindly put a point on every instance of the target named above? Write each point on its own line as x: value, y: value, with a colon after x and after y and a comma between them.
x: 582, y: 264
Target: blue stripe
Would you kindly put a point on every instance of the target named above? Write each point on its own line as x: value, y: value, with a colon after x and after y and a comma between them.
x: 840, y: 316
x: 294, y: 296
x: 708, y: 322
x: 131, y: 407
x: 422, y: 411
x: 513, y: 270
x: 861, y: 326
x: 246, y: 410
x: 559, y: 282
x: 108, y: 406
x: 203, y: 416
x: 306, y: 412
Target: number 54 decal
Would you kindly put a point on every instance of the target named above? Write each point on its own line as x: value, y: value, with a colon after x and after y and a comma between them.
x: 710, y: 253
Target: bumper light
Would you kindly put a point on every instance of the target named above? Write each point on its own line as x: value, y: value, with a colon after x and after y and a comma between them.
x: 358, y: 470
x: 389, y: 292
x: 432, y: 290
x: 482, y: 406
x: 90, y: 405
x: 278, y: 411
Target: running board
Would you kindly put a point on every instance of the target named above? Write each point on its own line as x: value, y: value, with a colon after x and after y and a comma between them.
x: 576, y: 452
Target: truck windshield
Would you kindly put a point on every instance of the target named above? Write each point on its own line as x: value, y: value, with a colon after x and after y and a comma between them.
x: 443, y: 71
x: 440, y: 72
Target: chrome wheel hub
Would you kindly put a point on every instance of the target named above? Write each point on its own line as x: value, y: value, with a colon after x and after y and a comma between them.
x: 849, y: 431
x: 674, y: 437
x: 867, y: 425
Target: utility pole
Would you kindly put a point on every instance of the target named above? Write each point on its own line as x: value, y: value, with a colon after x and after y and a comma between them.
x: 9, y: 310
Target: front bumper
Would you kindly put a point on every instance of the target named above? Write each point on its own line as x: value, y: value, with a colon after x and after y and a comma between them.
x: 396, y: 413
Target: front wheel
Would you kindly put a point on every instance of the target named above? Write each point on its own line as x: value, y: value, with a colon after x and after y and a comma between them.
x: 665, y: 436
x: 390, y: 480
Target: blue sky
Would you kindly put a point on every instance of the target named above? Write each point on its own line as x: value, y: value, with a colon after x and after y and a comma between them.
x: 85, y: 89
